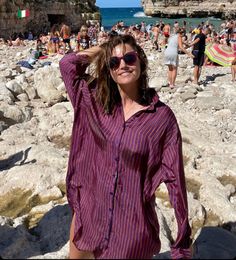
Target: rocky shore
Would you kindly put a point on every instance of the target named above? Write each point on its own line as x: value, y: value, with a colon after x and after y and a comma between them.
x: 35, y: 127
x: 190, y: 8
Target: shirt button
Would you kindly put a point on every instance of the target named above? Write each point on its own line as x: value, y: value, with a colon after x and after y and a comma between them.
x: 111, y: 193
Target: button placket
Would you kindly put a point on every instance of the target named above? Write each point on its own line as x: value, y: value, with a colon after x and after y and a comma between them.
x: 115, y: 181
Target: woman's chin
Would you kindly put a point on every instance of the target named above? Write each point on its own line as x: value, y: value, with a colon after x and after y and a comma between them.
x: 127, y: 81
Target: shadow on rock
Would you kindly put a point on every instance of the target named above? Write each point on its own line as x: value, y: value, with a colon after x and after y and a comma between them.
x: 16, y: 159
x: 212, y: 78
x: 212, y: 243
x: 215, y: 243
x: 53, y: 229
x: 17, y: 242
x: 51, y: 234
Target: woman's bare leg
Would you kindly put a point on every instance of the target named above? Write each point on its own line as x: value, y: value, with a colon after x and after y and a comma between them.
x: 233, y: 71
x: 170, y: 69
x: 74, y: 253
x: 174, y: 75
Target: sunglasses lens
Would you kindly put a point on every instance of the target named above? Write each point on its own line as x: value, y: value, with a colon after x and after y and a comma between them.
x: 130, y: 58
x: 114, y: 63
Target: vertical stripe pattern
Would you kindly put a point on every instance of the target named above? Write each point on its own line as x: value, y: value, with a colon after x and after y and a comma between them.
x: 23, y: 13
x: 114, y: 169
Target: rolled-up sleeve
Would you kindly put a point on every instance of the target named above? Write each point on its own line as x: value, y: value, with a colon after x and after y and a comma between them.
x: 72, y: 68
x: 173, y: 177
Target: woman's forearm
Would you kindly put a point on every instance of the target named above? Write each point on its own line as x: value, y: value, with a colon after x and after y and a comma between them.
x: 91, y: 52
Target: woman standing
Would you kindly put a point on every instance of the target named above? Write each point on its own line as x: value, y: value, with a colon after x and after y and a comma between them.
x: 125, y: 142
x: 171, y: 56
x: 55, y: 38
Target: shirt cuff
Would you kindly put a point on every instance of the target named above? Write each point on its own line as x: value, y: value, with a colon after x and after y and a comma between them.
x: 181, y: 253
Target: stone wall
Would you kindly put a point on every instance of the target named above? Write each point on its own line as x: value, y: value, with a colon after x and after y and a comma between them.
x: 44, y: 13
x: 197, y: 8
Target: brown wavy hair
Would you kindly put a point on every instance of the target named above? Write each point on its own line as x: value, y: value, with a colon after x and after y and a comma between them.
x: 107, y: 93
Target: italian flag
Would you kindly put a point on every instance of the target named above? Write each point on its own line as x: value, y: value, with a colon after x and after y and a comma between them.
x: 22, y: 13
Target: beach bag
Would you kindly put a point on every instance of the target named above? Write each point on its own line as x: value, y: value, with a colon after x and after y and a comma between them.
x: 25, y: 64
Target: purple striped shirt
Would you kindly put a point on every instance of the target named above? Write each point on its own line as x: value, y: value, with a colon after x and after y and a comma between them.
x: 114, y: 168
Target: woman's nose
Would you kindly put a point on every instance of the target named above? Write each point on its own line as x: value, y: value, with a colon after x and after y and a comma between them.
x: 122, y: 63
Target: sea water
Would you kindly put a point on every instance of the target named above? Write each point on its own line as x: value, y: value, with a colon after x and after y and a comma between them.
x: 135, y: 15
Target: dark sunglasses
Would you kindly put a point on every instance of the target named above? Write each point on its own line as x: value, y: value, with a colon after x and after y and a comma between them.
x: 129, y: 58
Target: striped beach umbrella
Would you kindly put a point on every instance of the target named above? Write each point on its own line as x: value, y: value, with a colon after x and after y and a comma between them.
x: 220, y: 54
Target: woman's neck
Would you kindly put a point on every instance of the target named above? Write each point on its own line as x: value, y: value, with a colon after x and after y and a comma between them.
x: 129, y: 96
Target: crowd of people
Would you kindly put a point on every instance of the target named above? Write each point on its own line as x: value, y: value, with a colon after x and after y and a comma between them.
x: 172, y: 40
x: 181, y: 39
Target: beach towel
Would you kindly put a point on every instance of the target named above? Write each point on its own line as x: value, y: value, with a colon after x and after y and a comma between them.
x: 43, y: 57
x: 25, y: 64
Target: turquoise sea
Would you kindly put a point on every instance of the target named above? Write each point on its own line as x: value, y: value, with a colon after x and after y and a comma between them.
x: 135, y: 15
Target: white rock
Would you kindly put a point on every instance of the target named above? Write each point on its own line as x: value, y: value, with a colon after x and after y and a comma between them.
x: 21, y: 79
x: 46, y: 82
x: 15, y: 87
x: 42, y: 208
x: 213, y: 196
x: 5, y: 92
x: 31, y: 92
x: 53, y: 193
x: 23, y: 97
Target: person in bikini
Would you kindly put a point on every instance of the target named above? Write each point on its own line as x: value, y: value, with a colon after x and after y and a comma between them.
x: 65, y: 34
x: 55, y: 38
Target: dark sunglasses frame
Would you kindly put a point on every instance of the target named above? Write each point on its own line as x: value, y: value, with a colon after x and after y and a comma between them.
x: 129, y: 58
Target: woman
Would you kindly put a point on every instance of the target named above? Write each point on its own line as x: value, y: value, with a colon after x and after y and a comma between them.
x: 55, y: 38
x: 125, y: 142
x: 83, y: 40
x: 171, y: 57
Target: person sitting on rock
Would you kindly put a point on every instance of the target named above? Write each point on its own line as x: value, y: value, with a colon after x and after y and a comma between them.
x: 17, y: 42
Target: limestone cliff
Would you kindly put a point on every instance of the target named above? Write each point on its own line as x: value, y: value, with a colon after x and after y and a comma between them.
x: 44, y: 13
x: 187, y: 8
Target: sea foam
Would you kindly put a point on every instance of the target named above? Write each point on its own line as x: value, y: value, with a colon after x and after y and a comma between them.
x: 140, y: 14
